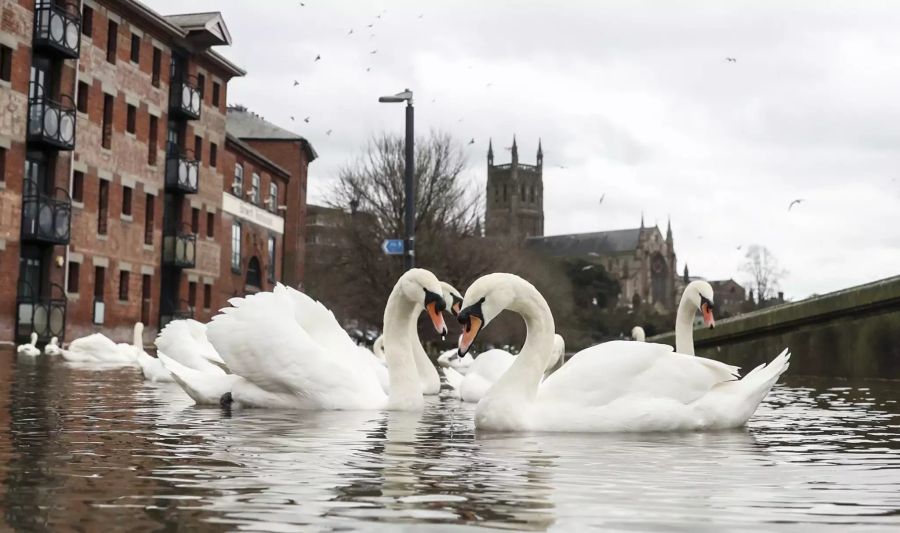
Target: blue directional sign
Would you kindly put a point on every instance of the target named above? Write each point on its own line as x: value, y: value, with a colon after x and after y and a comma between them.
x: 392, y: 246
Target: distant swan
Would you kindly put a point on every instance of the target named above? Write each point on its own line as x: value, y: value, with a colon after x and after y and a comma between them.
x: 53, y: 347
x: 614, y: 386
x: 98, y: 348
x: 29, y: 348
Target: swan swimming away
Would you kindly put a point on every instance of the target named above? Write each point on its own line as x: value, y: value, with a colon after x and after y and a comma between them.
x: 53, y: 347
x: 614, y: 386
x: 98, y: 348
x: 29, y: 348
x: 488, y: 367
x: 289, y: 351
x: 638, y: 335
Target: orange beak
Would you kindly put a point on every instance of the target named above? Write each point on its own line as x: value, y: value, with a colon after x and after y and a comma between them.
x: 708, y: 319
x: 455, y: 308
x: 473, y: 326
x: 437, y: 318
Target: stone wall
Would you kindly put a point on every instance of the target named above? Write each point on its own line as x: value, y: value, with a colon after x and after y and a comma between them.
x: 850, y: 333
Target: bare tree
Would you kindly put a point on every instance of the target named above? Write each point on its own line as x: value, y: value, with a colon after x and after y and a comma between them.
x: 763, y: 268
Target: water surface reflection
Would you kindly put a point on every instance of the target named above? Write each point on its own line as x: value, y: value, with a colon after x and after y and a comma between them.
x: 105, y: 451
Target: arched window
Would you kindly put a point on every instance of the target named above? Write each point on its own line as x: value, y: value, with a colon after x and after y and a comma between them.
x: 253, y: 274
x: 532, y: 193
x: 522, y: 192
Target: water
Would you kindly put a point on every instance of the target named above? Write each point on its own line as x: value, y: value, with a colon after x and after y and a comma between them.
x: 104, y: 451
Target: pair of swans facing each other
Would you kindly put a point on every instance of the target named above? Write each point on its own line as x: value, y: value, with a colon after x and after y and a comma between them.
x: 284, y: 349
x: 614, y: 386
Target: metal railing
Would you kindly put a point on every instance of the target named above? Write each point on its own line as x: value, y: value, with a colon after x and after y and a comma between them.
x: 50, y: 122
x: 182, y: 172
x: 57, y: 28
x: 180, y: 248
x: 185, y: 98
x: 46, y: 218
x: 44, y: 314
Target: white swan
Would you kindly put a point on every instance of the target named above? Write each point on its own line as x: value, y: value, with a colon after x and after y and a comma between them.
x: 53, y: 347
x: 29, y: 348
x: 489, y: 367
x: 637, y: 333
x: 98, y: 348
x: 289, y: 351
x: 615, y: 386
x: 183, y: 348
x: 451, y: 359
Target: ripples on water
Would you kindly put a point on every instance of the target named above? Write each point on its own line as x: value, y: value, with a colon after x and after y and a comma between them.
x: 104, y: 451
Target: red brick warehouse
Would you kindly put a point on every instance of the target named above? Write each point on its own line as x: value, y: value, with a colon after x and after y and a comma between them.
x: 116, y: 173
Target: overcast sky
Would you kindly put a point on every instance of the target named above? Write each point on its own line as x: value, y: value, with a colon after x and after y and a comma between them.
x: 634, y: 101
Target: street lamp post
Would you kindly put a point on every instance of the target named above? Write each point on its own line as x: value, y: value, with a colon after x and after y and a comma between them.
x: 409, y: 243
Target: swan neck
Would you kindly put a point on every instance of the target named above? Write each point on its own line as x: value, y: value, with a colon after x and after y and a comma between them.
x: 138, y: 339
x: 406, y: 390
x: 684, y: 326
x: 525, y: 374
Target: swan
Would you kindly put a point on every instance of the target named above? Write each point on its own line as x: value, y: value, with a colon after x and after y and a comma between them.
x: 614, y: 386
x: 638, y: 335
x: 53, y: 347
x: 488, y: 367
x: 698, y: 295
x: 451, y: 359
x: 184, y: 350
x: 289, y: 351
x: 98, y: 348
x: 29, y: 348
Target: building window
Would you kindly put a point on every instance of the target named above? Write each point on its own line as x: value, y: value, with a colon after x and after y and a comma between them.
x: 157, y: 66
x: 236, y: 246
x: 213, y: 154
x: 103, y: 208
x: 145, y: 298
x: 123, y: 285
x: 215, y: 94
x: 273, y: 197
x: 210, y: 225
x: 131, y: 119
x: 254, y: 276
x: 149, y: 217
x: 112, y: 34
x: 207, y: 295
x: 106, y: 141
x: 522, y: 192
x: 198, y: 148
x: 5, y: 63
x: 271, y: 265
x: 99, y: 282
x: 2, y: 164
x: 78, y: 186
x: 201, y: 86
x: 87, y: 20
x: 152, y: 140
x: 72, y: 282
x: 83, y: 93
x: 532, y: 194
x: 135, y: 48
x: 192, y: 294
x: 126, y: 200
x: 254, y: 189
x: 195, y: 220
x: 237, y: 186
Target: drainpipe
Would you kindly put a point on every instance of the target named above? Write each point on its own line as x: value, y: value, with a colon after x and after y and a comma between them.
x: 72, y: 170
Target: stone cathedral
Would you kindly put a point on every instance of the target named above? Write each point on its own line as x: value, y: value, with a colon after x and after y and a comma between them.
x: 641, y: 259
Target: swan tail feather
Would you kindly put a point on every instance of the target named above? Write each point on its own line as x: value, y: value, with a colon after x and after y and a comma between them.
x: 740, y: 399
x: 204, y: 388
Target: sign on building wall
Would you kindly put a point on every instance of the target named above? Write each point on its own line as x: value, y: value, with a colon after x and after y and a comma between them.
x: 251, y: 213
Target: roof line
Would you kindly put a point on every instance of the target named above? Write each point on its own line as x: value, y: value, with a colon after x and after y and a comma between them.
x: 255, y: 153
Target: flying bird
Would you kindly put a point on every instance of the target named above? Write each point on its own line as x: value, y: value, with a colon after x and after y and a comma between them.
x: 472, y: 140
x: 306, y: 120
x: 374, y: 52
x: 798, y: 201
x: 318, y: 57
x: 370, y: 25
x: 302, y: 4
x: 296, y: 83
x: 368, y: 69
x: 328, y: 132
x: 350, y: 32
x: 602, y: 196
x: 731, y: 59
x: 420, y: 16
x: 740, y: 246
x: 488, y: 85
x: 292, y: 117
x: 561, y: 166
x: 588, y: 267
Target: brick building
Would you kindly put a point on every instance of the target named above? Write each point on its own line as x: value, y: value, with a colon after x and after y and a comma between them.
x: 114, y: 157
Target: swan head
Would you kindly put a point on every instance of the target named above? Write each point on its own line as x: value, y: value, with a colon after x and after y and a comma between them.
x: 484, y: 300
x: 34, y: 338
x: 700, y: 294
x: 637, y: 334
x: 452, y: 298
x: 421, y: 286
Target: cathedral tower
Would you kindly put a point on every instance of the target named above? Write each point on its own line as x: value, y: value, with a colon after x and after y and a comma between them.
x: 514, y: 201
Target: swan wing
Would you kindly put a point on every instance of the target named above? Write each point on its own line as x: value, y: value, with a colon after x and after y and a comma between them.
x: 615, y: 370
x: 260, y: 339
x: 185, y: 341
x: 93, y: 345
x: 205, y: 388
x: 152, y: 368
x: 318, y: 321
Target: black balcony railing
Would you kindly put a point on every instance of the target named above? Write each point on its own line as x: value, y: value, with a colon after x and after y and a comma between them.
x: 51, y: 123
x: 180, y: 249
x: 57, y: 28
x: 46, y: 218
x: 39, y: 313
x: 184, y: 97
x: 182, y: 173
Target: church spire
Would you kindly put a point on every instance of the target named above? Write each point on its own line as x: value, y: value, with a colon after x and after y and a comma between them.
x: 669, y: 231
x: 515, y: 150
x: 490, y: 151
x: 540, y: 154
x: 687, y: 278
x: 642, y: 220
